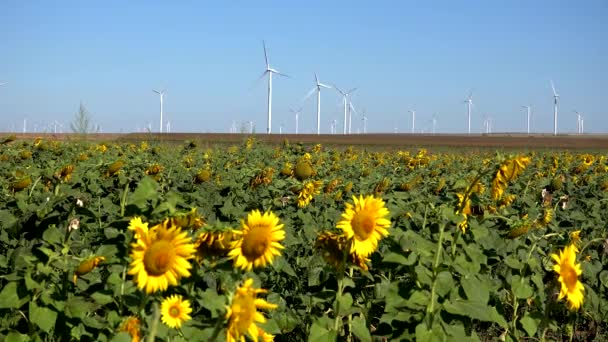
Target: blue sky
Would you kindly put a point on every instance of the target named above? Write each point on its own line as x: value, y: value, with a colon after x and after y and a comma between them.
x: 401, y: 55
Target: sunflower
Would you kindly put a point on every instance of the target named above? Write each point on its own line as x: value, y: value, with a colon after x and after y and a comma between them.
x: 365, y: 223
x: 258, y: 240
x: 87, y: 266
x: 309, y: 189
x: 213, y: 244
x: 242, y: 314
x: 138, y: 226
x: 160, y: 256
x: 568, y: 271
x: 132, y: 326
x: 174, y: 311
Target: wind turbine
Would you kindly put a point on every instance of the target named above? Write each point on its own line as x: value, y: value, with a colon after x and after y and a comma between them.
x: 161, y: 93
x: 297, y: 114
x: 469, y: 102
x: 434, y: 122
x: 3, y: 83
x: 345, y: 96
x: 364, y: 124
x: 555, y: 98
x: 579, y: 120
x: 351, y: 109
x: 317, y: 87
x: 528, y: 111
x: 269, y: 71
x: 413, y: 119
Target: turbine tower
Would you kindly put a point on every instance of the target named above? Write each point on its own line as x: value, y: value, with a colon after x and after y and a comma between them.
x: 413, y: 120
x: 555, y: 99
x: 364, y: 124
x: 269, y: 71
x: 469, y: 102
x: 528, y: 111
x: 345, y: 96
x: 317, y: 87
x: 579, y: 122
x: 434, y: 122
x: 161, y: 93
x: 351, y: 109
x: 297, y: 114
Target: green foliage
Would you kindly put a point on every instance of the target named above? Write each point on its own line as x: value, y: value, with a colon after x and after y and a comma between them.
x: 427, y: 281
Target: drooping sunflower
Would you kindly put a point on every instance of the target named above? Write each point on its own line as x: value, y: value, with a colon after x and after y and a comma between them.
x: 335, y: 249
x: 243, y: 314
x: 174, y: 311
x: 568, y: 271
x: 213, y: 244
x: 160, y: 256
x: 365, y: 222
x: 309, y: 189
x: 257, y: 241
x: 132, y: 326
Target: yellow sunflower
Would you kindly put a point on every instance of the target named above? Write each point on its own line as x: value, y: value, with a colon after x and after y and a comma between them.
x: 365, y: 223
x: 243, y: 314
x: 132, y: 326
x: 160, y: 257
x: 257, y: 242
x: 568, y: 271
x: 138, y: 226
x: 174, y: 311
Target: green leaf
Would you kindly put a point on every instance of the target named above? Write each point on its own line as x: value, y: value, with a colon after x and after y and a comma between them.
x: 121, y: 337
x: 9, y: 298
x: 213, y: 302
x: 475, y: 289
x: 423, y: 334
x: 513, y: 262
x: 319, y: 333
x: 521, y: 287
x: 102, y: 299
x: 530, y: 325
x: 424, y: 275
x: 360, y: 329
x: 475, y: 310
x: 604, y: 278
x: 43, y: 317
x: 146, y: 189
x: 16, y: 337
x: 52, y: 235
x: 345, y: 302
x: 396, y: 258
x: 77, y: 307
x: 444, y: 283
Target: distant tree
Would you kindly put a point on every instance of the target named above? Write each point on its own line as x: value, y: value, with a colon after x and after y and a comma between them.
x: 82, y: 123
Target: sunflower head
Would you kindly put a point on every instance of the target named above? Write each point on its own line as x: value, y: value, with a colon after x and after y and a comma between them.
x: 568, y: 271
x: 132, y: 326
x: 175, y: 310
x: 333, y: 248
x: 213, y: 244
x: 258, y: 240
x: 243, y: 314
x: 87, y: 266
x: 160, y: 256
x: 366, y: 223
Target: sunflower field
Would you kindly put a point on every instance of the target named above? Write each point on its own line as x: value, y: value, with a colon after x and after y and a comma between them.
x: 251, y: 242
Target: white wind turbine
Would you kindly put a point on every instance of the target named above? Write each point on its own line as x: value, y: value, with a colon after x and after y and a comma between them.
x: 345, y: 96
x: 434, y: 122
x: 469, y: 102
x: 364, y: 124
x: 579, y: 122
x: 317, y: 87
x: 413, y: 120
x: 269, y: 71
x: 555, y: 100
x: 297, y: 114
x: 528, y: 116
x: 351, y: 109
x: 161, y: 93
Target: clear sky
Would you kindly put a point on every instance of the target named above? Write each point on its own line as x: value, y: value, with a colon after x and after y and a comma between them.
x: 402, y: 55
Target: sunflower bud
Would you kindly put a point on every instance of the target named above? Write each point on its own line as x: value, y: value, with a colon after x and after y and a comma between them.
x: 114, y: 168
x: 87, y: 266
x: 303, y: 170
x: 21, y: 184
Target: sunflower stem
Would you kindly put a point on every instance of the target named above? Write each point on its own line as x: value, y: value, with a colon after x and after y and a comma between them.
x: 338, y: 297
x: 431, y: 306
x: 350, y: 316
x: 216, y: 329
x: 155, y: 319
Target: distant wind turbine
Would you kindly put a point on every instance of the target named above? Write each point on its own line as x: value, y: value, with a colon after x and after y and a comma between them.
x: 413, y: 120
x: 351, y: 109
x: 297, y: 114
x: 269, y: 71
x: 364, y: 124
x: 345, y: 96
x: 434, y: 122
x: 579, y: 122
x: 555, y: 100
x: 469, y: 102
x: 3, y: 83
x: 317, y: 87
x: 528, y: 111
x: 161, y: 93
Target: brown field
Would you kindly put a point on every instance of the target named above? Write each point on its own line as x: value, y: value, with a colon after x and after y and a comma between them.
x: 499, y: 141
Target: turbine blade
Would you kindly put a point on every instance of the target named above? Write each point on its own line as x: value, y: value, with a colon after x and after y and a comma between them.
x: 282, y: 74
x: 340, y: 91
x: 324, y: 86
x: 352, y: 91
x: 265, y: 55
x: 553, y: 87
x: 156, y: 91
x: 317, y: 79
x: 309, y: 94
